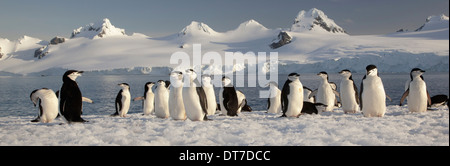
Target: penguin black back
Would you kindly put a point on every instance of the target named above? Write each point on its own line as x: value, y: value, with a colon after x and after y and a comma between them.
x: 70, y: 103
x: 230, y: 100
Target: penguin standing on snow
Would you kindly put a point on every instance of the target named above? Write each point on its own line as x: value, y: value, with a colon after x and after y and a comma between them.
x: 148, y: 103
x: 325, y: 94
x: 418, y: 96
x: 292, y: 96
x: 229, y: 104
x: 176, y: 105
x: 194, y: 98
x: 274, y: 100
x: 162, y: 99
x: 48, y: 104
x: 70, y: 98
x: 348, y: 93
x: 372, y: 95
x: 123, y: 100
x: 210, y: 94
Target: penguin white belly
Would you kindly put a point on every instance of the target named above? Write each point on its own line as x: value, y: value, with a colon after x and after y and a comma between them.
x: 241, y: 98
x: 192, y: 105
x: 176, y: 105
x: 275, y: 105
x: 295, y: 98
x: 348, y: 98
x: 211, y: 99
x: 326, y: 96
x: 50, y: 108
x: 275, y: 101
x: 162, y: 104
x: 373, y: 97
x: 149, y: 104
x: 126, y: 99
x: 417, y: 98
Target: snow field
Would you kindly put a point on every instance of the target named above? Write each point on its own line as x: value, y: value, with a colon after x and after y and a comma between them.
x: 398, y: 127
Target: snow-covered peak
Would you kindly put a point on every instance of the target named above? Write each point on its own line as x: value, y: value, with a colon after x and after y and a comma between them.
x: 434, y: 23
x: 99, y: 29
x: 250, y: 25
x: 197, y: 28
x: 315, y: 20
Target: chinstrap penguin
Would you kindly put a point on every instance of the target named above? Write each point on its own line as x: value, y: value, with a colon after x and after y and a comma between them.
x: 176, y: 105
x: 162, y: 99
x: 292, y: 96
x: 148, y: 100
x: 194, y: 97
x: 325, y: 94
x: 274, y: 100
x: 418, y: 96
x: 48, y: 104
x: 372, y: 94
x: 123, y: 100
x: 70, y: 98
x: 210, y: 94
x: 348, y: 93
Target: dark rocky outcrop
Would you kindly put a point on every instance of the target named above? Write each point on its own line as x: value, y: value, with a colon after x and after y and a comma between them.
x: 283, y: 39
x: 41, y: 52
x: 56, y: 40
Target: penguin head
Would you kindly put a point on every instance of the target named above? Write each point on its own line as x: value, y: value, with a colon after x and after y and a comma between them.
x: 190, y: 74
x: 272, y: 84
x: 72, y: 75
x: 176, y: 75
x: 293, y: 76
x: 226, y: 82
x: 149, y: 84
x: 372, y: 70
x: 323, y: 75
x: 345, y: 73
x: 34, y: 98
x: 416, y: 72
x: 124, y: 86
x: 206, y: 79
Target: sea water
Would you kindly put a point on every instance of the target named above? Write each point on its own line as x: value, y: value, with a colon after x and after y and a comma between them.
x: 102, y: 89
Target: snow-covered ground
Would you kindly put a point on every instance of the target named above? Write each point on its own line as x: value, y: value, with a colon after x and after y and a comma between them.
x: 256, y: 128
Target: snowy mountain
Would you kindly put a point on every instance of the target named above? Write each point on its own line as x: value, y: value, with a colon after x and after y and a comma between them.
x: 197, y: 29
x: 315, y: 20
x: 308, y: 47
x: 99, y: 29
x: 435, y: 23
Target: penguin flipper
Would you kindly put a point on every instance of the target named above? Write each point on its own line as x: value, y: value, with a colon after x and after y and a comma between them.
x: 87, y: 100
x: 138, y: 98
x: 360, y: 94
x: 284, y: 97
x: 356, y: 92
x: 118, y: 103
x: 406, y: 93
x: 429, y: 98
x: 203, y: 100
x: 388, y: 97
x: 313, y: 93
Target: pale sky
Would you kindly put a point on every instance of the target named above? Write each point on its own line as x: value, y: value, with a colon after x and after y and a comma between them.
x: 45, y: 19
